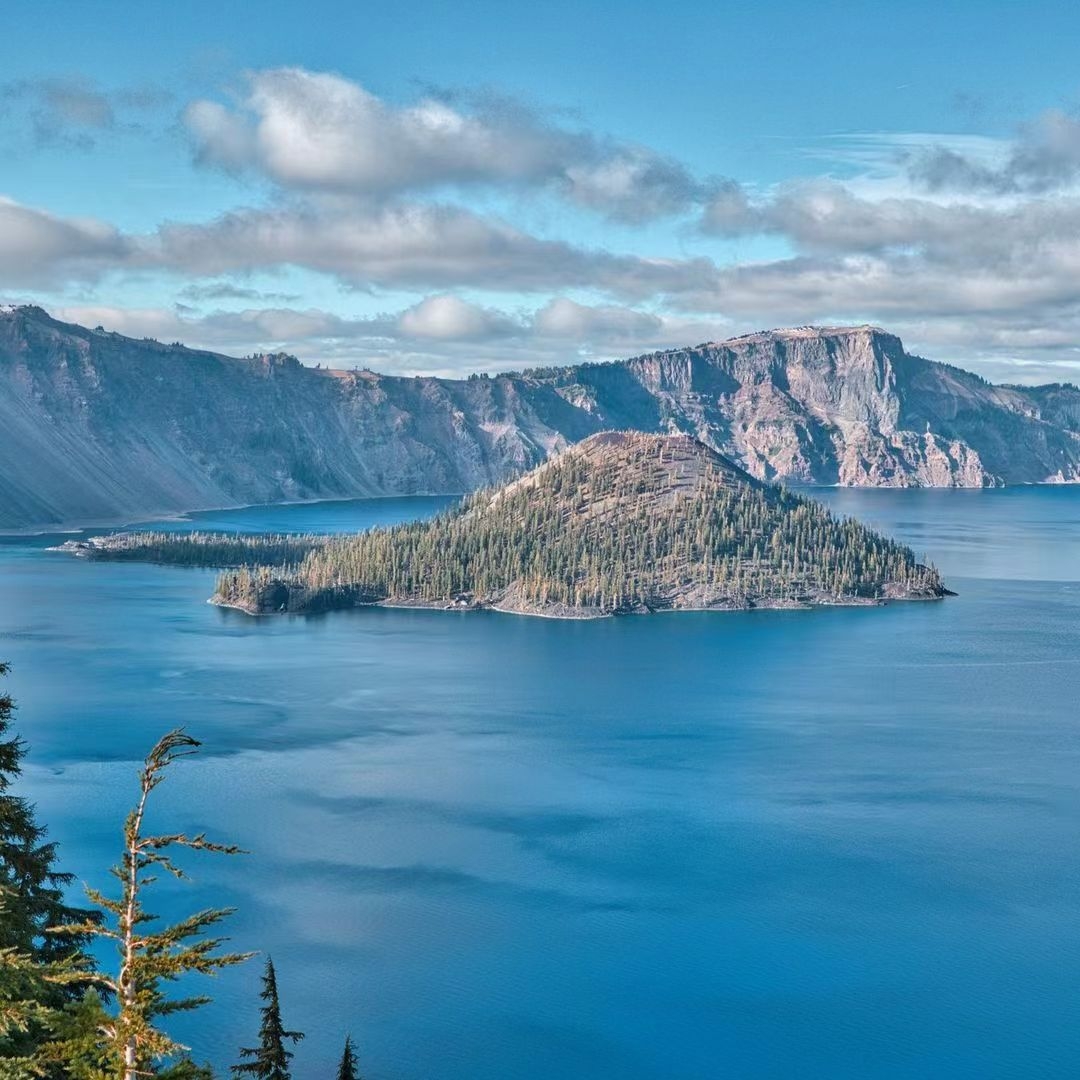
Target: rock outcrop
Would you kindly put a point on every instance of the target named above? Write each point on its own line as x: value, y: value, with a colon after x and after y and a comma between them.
x: 98, y: 427
x: 847, y: 405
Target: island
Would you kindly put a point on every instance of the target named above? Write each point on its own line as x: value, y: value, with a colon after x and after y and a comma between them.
x: 620, y: 523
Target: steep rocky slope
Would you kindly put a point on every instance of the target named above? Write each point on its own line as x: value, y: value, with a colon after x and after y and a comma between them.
x: 842, y: 405
x: 98, y: 427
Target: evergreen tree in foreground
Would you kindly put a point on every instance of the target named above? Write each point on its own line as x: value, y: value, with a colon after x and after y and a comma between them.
x: 32, y: 887
x: 347, y: 1068
x: 269, y: 1060
x: 122, y: 1039
x: 63, y: 1018
x: 31, y: 902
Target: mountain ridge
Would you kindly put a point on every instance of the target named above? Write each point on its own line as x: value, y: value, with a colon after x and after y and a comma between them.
x: 104, y: 428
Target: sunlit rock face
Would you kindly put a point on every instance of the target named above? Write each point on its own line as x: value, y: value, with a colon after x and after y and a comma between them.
x: 98, y: 427
x: 847, y: 405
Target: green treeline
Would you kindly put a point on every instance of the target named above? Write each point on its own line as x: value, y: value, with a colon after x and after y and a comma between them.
x: 203, y: 548
x: 67, y: 1014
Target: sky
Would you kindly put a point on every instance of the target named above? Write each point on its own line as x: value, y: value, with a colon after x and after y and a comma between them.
x: 479, y: 186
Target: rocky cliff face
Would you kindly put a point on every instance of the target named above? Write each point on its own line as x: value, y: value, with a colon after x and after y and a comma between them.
x: 101, y: 428
x: 848, y: 405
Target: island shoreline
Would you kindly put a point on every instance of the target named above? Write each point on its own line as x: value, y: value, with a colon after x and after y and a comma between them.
x: 473, y: 608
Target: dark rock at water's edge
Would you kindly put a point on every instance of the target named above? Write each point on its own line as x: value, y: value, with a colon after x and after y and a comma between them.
x: 99, y: 427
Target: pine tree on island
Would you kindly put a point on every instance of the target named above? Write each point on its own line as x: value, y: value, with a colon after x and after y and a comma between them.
x: 269, y: 1060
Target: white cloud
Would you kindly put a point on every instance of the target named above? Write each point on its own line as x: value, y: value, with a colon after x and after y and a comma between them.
x: 228, y: 290
x: 71, y: 112
x: 444, y: 335
x: 221, y: 137
x: 906, y: 254
x: 321, y: 132
x: 38, y: 248
x: 564, y: 318
x: 448, y: 318
x: 1005, y: 273
x: 1044, y: 156
x: 441, y: 334
x: 979, y: 262
x: 414, y: 245
x: 632, y: 184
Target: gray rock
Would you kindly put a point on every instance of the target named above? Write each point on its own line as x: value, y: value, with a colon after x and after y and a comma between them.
x: 100, y: 428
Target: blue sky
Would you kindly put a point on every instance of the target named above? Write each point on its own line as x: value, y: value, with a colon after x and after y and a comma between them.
x: 433, y: 187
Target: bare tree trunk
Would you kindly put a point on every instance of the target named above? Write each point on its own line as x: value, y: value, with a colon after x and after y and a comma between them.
x: 126, y: 981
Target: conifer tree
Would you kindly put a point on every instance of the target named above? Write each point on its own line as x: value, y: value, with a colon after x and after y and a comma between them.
x: 25, y: 1015
x: 123, y: 1039
x: 31, y: 902
x: 269, y: 1060
x: 347, y: 1068
x: 31, y: 887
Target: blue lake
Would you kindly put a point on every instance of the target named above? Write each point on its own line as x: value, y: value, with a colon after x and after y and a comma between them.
x: 836, y: 844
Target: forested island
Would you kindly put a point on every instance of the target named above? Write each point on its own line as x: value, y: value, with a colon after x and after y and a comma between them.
x: 620, y: 523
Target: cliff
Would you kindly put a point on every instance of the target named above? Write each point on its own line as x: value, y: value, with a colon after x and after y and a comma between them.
x: 103, y: 428
x: 848, y: 406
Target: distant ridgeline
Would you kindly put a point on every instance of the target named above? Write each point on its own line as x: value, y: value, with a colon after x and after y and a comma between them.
x: 619, y: 523
x: 98, y: 427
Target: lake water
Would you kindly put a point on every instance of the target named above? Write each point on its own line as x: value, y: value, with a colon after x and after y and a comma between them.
x: 836, y: 844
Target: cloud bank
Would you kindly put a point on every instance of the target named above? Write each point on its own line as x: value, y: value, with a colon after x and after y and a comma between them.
x: 441, y: 334
x: 968, y: 247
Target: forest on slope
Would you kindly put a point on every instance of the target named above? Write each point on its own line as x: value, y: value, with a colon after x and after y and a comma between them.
x: 620, y: 523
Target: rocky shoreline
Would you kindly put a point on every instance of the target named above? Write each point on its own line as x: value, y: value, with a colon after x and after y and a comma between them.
x: 285, y: 598
x: 282, y: 599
